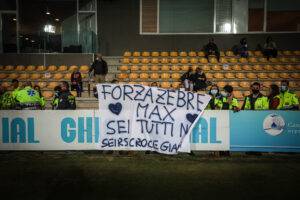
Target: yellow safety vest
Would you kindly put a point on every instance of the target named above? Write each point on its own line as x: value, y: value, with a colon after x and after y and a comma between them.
x: 261, y: 103
x: 287, y: 100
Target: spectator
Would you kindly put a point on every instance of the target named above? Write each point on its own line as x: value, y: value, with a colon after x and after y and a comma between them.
x: 211, y: 49
x: 186, y: 79
x: 66, y: 101
x: 256, y: 100
x: 215, y: 101
x: 100, y: 69
x: 16, y: 87
x: 28, y: 98
x: 288, y: 99
x: 229, y: 102
x: 38, y: 89
x: 76, y: 82
x: 244, y: 48
x: 55, y: 100
x: 199, y: 80
x: 270, y: 48
x: 6, y: 100
x: 274, y: 98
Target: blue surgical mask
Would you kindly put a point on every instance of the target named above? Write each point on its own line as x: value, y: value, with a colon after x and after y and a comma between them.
x: 283, y: 88
x: 214, y: 92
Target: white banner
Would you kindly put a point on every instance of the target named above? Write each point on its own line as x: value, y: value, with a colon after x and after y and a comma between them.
x: 137, y: 117
x: 80, y: 130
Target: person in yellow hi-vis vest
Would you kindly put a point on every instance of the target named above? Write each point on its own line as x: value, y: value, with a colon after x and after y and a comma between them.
x: 288, y: 99
x: 229, y: 102
x: 16, y: 87
x: 256, y: 100
x: 215, y: 102
x: 28, y: 98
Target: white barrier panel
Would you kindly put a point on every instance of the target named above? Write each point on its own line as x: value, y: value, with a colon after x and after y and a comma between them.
x: 80, y: 130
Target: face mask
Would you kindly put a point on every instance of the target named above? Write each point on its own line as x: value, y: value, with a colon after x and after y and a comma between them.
x: 283, y: 88
x: 214, y: 92
x: 255, y: 91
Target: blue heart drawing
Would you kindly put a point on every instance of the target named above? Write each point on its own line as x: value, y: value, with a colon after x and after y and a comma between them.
x: 115, y: 108
x: 191, y: 117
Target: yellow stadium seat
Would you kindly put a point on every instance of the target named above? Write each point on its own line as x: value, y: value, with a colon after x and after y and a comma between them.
x: 41, y: 68
x: 268, y: 67
x: 5, y: 84
x: 229, y: 75
x: 246, y: 93
x: 236, y: 67
x: 58, y: 76
x: 35, y: 76
x: 52, y: 85
x: 154, y: 76
x: 165, y: 68
x: 219, y: 75
x: 234, y: 83
x: 243, y: 60
x: 229, y: 53
x: 297, y: 53
x: 252, y: 60
x: 144, y: 83
x: 246, y: 67
x: 145, y: 54
x: 132, y: 82
x: 192, y: 54
x: 273, y: 75
x: 123, y: 68
x: 203, y: 60
x: 293, y: 59
x: 30, y: 68
x: 154, y: 61
x: 183, y: 54
x: 135, y: 61
x: 144, y: 68
x: 133, y: 75
x: 125, y: 60
x: 42, y: 84
x: 251, y: 75
x: 205, y: 67
x: 262, y: 75
x: 295, y: 75
x: 73, y: 68
x: 238, y: 94
x: 154, y: 54
x: 3, y: 76
x: 9, y: 68
x: 20, y: 68
x: 127, y: 54
x: 258, y: 67
x: 164, y: 61
x: 233, y: 60
x: 284, y: 75
x: 240, y: 75
x: 283, y: 59
x: 74, y: 93
x: 193, y: 60
x: 174, y: 61
x: 201, y: 53
x: 144, y: 76
x: 68, y: 76
x: 154, y: 68
x: 297, y: 67
x: 213, y: 60
x: 184, y: 67
x: 122, y: 76
x: 182, y: 60
x: 263, y: 60
x: 223, y: 60
x: 258, y: 53
x: 173, y: 54
x: 266, y: 84
x: 13, y: 76
x: 144, y: 61
x: 273, y: 60
x: 52, y: 68
x: 294, y: 84
x: 84, y: 68
x: 216, y: 67
x: 289, y: 67
x: 250, y: 53
x: 165, y: 76
x: 134, y: 68
x: 279, y: 67
x: 245, y: 84
x: 209, y: 75
x: 136, y: 54
x: 175, y: 68
x: 63, y: 68
x: 165, y: 85
x: 287, y: 53
x: 47, y: 94
x: 175, y: 85
x: 175, y: 76
x: 164, y: 54
x: 222, y: 53
x: 24, y: 76
x: 221, y: 84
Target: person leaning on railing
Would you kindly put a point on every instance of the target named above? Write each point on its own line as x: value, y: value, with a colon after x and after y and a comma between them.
x: 229, y: 102
x: 288, y: 99
x: 7, y: 102
x: 256, y: 100
x: 215, y: 102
